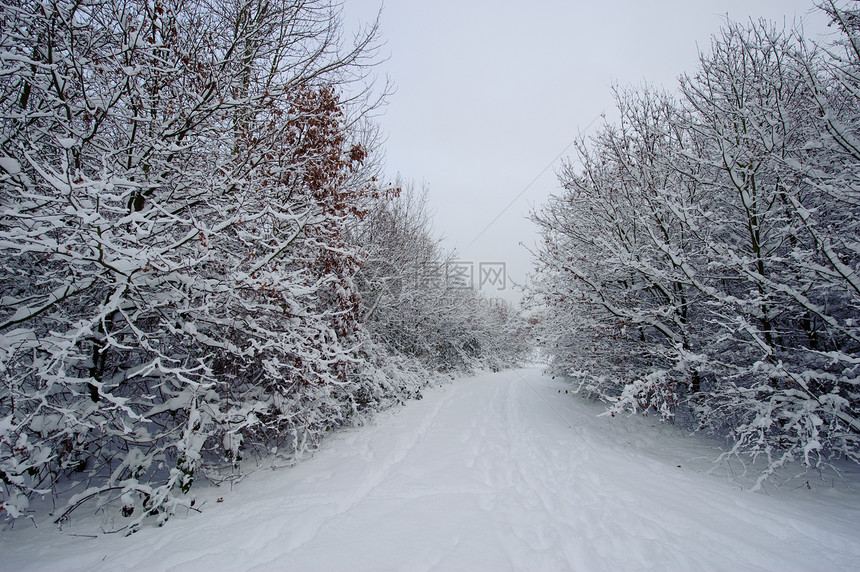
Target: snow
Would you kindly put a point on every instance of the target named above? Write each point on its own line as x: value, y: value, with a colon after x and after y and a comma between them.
x: 10, y: 165
x: 494, y: 472
x: 67, y: 142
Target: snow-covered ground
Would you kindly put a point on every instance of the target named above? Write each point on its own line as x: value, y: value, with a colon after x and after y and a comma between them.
x: 494, y: 472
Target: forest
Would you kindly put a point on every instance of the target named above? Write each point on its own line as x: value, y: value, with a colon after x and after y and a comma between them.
x: 200, y: 264
x: 203, y: 267
x: 701, y: 263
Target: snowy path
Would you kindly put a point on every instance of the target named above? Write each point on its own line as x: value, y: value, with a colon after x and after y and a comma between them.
x: 496, y: 472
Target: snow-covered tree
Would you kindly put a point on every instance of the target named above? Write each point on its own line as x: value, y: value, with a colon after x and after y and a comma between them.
x: 176, y: 184
x: 774, y: 383
x: 702, y: 257
x: 614, y: 245
x: 411, y: 304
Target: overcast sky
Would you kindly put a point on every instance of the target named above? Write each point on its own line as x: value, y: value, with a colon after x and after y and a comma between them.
x: 489, y: 93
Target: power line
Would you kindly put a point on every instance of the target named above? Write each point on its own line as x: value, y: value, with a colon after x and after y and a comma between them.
x: 521, y: 193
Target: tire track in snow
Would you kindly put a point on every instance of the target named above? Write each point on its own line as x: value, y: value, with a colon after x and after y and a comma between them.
x: 518, y: 497
x: 381, y: 465
x: 545, y: 497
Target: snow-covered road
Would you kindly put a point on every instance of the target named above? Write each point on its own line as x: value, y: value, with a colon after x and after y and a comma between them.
x: 495, y: 472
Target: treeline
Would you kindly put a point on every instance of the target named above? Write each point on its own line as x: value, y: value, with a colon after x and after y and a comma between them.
x: 702, y: 260
x: 199, y: 264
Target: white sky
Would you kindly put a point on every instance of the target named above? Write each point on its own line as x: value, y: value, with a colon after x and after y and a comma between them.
x: 490, y: 92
